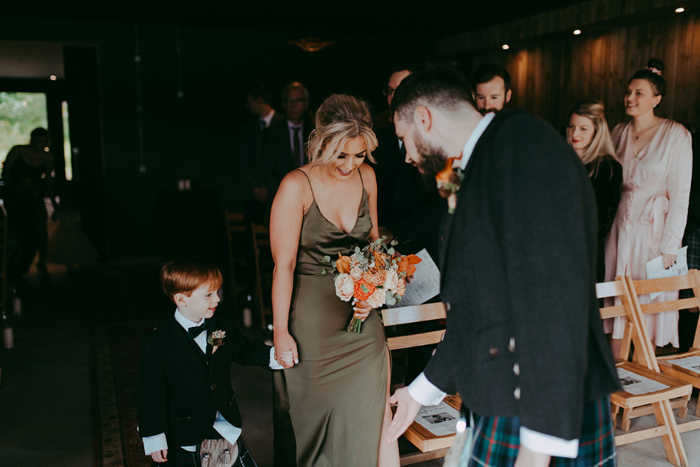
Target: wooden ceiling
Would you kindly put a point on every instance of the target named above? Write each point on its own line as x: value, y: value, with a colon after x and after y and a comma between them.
x: 326, y: 18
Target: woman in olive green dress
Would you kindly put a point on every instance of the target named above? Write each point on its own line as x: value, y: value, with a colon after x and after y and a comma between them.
x: 338, y: 392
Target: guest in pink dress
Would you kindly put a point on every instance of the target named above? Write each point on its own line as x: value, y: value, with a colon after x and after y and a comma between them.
x: 656, y: 159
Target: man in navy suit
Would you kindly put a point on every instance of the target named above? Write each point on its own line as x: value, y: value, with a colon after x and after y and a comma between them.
x: 524, y: 346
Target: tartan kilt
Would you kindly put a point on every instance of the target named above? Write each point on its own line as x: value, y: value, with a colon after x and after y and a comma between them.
x: 189, y: 459
x: 497, y: 440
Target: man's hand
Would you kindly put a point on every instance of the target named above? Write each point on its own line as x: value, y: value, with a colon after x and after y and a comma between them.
x: 160, y: 456
x: 406, y: 412
x: 528, y: 458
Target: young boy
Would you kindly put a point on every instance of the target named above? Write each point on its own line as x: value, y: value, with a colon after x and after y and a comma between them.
x: 184, y: 388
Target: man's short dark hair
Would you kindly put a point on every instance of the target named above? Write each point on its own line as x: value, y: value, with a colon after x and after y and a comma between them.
x: 436, y: 84
x: 489, y: 71
x: 259, y: 91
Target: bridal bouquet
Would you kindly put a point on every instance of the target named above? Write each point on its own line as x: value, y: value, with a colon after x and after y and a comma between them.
x: 375, y: 274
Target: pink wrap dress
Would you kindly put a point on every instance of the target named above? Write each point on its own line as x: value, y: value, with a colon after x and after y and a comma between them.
x: 651, y: 217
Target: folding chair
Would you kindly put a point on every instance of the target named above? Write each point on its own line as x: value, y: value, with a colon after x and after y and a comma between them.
x: 235, y: 231
x: 675, y: 365
x: 430, y: 446
x: 634, y: 405
x: 263, y: 271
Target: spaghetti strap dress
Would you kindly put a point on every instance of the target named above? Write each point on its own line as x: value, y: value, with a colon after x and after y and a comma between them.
x: 337, y: 392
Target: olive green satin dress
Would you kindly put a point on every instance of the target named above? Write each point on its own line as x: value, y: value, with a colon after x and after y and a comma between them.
x: 337, y: 392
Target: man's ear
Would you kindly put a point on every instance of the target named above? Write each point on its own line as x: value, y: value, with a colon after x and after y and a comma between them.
x: 423, y: 118
x: 509, y: 94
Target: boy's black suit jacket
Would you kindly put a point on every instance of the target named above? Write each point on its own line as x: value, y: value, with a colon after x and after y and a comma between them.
x: 524, y: 334
x: 178, y: 393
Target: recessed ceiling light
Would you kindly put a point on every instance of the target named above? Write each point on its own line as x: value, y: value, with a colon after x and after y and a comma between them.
x: 680, y: 10
x: 577, y: 32
x: 505, y: 47
x: 53, y: 77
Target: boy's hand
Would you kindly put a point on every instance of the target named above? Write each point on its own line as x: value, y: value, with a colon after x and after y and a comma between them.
x: 285, y: 343
x: 287, y: 359
x: 160, y: 456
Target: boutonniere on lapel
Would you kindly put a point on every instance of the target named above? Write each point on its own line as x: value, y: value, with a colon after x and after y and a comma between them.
x: 215, y: 339
x: 449, y: 181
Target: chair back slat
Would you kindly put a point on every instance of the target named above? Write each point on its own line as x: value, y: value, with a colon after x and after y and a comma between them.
x: 666, y: 284
x: 609, y: 289
x: 613, y: 311
x: 413, y: 314
x: 415, y: 340
x: 671, y: 305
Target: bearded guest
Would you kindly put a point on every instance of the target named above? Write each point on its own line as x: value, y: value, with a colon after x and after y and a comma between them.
x: 533, y: 366
x: 589, y: 136
x: 491, y: 88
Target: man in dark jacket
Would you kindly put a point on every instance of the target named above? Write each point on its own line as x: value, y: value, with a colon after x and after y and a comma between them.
x: 524, y: 346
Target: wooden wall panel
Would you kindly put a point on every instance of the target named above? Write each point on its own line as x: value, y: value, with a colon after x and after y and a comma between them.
x: 549, y: 76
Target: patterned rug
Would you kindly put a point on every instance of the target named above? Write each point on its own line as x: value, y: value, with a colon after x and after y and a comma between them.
x: 115, y: 350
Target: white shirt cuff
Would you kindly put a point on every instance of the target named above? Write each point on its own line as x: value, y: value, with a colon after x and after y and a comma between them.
x: 154, y: 443
x: 548, y: 444
x: 425, y: 392
x: 273, y: 363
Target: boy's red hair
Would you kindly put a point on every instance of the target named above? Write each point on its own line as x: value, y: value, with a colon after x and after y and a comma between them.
x: 185, y: 275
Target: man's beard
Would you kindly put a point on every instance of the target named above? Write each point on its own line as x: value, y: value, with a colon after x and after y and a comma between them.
x: 485, y: 111
x: 433, y: 159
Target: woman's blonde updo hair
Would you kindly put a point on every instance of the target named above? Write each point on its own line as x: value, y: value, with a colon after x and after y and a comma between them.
x: 339, y: 119
x: 601, y: 144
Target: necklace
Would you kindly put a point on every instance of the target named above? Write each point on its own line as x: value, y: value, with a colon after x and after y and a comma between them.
x: 330, y: 179
x: 638, y: 132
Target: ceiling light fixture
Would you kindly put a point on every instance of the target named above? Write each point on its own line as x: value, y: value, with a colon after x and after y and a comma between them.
x: 53, y: 78
x: 577, y: 32
x: 680, y: 10
x: 311, y: 44
x: 505, y: 47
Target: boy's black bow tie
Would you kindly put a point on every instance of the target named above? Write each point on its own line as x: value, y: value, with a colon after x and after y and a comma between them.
x: 194, y: 331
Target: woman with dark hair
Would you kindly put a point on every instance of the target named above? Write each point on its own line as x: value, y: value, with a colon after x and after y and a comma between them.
x: 28, y: 176
x: 656, y: 159
x: 589, y: 136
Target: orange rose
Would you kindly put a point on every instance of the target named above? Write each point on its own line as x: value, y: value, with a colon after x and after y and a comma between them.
x: 343, y: 264
x: 406, y: 264
x: 363, y: 290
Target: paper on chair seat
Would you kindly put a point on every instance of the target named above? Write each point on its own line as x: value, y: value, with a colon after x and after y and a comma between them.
x: 689, y: 363
x: 440, y: 420
x: 655, y: 268
x: 637, y: 384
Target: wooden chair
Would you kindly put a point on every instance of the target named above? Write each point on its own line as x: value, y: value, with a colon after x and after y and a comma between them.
x: 263, y: 271
x: 430, y: 446
x: 657, y: 402
x: 235, y: 232
x: 668, y: 364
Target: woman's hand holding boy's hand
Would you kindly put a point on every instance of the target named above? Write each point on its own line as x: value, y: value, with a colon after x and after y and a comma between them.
x: 284, y: 342
x: 160, y: 456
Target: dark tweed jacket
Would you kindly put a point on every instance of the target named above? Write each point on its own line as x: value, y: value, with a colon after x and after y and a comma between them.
x: 524, y: 334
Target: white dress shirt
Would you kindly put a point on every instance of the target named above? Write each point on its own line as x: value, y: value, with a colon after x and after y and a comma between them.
x: 268, y: 118
x: 300, y: 141
x: 425, y: 392
x: 221, y: 425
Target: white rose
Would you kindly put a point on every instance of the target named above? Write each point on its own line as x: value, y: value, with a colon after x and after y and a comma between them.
x: 344, y: 287
x: 391, y: 281
x: 356, y: 273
